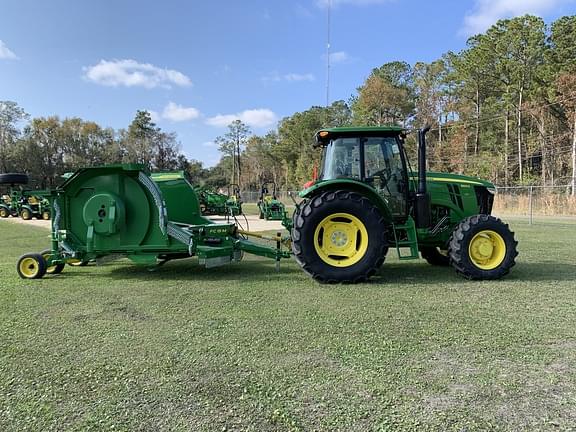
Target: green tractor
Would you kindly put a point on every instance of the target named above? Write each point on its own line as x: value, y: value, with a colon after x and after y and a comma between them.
x: 269, y: 206
x: 19, y: 202
x: 212, y: 203
x: 367, y: 200
x: 234, y: 201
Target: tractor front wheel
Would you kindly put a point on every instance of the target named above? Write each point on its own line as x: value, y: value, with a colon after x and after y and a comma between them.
x: 46, y: 215
x: 435, y: 256
x: 31, y: 266
x: 4, y: 212
x: 482, y: 247
x: 339, y: 237
x: 26, y: 214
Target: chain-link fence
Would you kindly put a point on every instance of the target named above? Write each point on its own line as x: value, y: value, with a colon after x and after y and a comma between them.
x: 532, y: 204
x: 537, y: 204
x: 254, y: 196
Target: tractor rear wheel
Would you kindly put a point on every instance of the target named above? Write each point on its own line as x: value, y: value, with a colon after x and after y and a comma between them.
x: 435, y: 256
x: 53, y: 269
x: 339, y: 237
x: 31, y: 266
x: 482, y: 247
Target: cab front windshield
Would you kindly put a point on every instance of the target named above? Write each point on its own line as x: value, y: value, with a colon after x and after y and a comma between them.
x: 381, y: 156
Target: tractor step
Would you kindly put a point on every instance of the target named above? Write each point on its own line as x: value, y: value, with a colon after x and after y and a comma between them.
x: 405, y: 238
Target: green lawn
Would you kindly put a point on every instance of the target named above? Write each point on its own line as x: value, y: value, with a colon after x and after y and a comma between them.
x: 244, y: 348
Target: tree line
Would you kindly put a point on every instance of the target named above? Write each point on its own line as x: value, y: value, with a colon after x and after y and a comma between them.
x: 503, y: 108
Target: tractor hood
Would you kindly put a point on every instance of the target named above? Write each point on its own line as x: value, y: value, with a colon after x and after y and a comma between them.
x: 442, y: 178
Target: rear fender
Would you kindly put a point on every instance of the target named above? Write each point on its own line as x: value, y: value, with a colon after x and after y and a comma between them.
x: 349, y: 185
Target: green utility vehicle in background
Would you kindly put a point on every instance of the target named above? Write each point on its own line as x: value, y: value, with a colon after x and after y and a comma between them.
x: 17, y: 202
x: 367, y: 200
x: 269, y: 206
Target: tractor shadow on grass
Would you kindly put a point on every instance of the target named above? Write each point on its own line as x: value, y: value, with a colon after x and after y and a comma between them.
x: 393, y: 272
x: 419, y: 272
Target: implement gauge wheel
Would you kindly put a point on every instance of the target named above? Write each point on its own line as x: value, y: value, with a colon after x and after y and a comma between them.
x: 339, y: 236
x: 435, y: 256
x: 482, y: 247
x: 31, y: 266
x: 54, y: 269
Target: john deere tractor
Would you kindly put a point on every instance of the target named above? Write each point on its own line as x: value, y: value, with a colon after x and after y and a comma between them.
x: 367, y: 201
x: 234, y: 201
x: 269, y: 206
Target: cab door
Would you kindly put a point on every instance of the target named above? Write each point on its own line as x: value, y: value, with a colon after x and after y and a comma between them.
x: 384, y: 169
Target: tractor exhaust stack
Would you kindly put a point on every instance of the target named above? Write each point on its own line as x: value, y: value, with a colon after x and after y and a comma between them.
x: 422, y: 197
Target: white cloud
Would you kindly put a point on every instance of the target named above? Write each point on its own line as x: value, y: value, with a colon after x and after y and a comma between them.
x: 209, y: 144
x: 154, y: 116
x: 6, y: 53
x: 179, y: 113
x: 338, y: 57
x: 290, y: 77
x: 299, y: 77
x: 130, y: 73
x: 487, y: 12
x: 259, y: 118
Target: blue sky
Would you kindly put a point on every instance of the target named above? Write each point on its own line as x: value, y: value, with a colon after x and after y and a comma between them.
x: 197, y: 65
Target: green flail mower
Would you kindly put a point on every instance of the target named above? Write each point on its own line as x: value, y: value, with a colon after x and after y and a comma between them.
x: 269, y: 206
x: 365, y: 202
x: 18, y: 202
x: 119, y: 211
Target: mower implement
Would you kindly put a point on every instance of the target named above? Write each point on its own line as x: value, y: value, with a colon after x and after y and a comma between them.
x: 102, y: 213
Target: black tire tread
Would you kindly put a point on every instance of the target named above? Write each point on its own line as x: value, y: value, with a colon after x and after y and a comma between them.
x: 306, y: 209
x: 14, y: 178
x: 433, y: 256
x: 458, y: 251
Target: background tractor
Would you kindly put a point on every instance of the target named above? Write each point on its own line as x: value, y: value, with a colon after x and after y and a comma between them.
x: 270, y: 208
x: 211, y: 203
x: 18, y: 202
x: 234, y: 201
x: 367, y: 200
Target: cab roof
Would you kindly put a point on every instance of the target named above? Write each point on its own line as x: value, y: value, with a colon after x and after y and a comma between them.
x: 323, y: 136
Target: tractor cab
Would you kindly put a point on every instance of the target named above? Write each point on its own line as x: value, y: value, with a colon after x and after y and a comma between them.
x: 374, y: 156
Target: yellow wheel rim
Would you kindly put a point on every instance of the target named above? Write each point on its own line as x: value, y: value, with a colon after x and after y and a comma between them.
x: 29, y: 267
x: 3, y: 213
x: 50, y: 269
x: 25, y: 214
x: 45, y: 216
x: 487, y: 250
x: 341, y: 240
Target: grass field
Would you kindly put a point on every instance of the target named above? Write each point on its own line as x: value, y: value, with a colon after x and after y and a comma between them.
x: 244, y: 348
